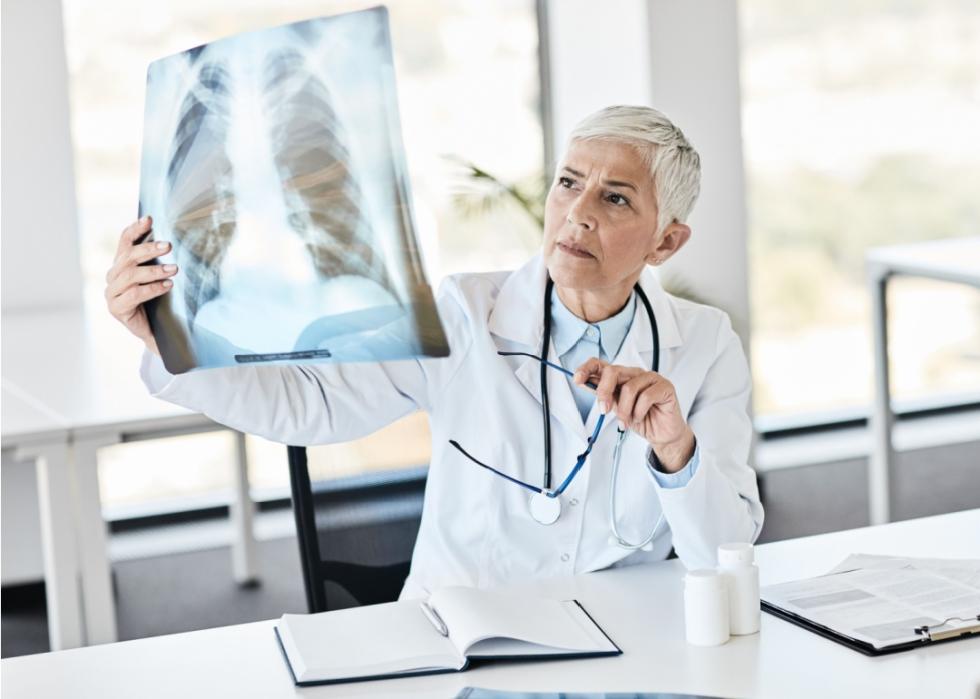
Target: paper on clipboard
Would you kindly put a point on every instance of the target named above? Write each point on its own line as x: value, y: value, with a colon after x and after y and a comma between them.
x: 965, y: 570
x: 882, y: 600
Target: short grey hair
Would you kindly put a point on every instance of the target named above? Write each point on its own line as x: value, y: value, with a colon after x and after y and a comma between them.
x: 674, y: 164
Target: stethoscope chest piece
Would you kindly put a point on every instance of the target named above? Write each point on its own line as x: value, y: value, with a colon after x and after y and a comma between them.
x: 544, y: 510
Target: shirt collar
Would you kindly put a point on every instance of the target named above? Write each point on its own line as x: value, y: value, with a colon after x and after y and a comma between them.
x: 568, y: 328
x: 518, y: 306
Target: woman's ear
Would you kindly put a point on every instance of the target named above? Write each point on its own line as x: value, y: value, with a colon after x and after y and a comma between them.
x: 673, y: 238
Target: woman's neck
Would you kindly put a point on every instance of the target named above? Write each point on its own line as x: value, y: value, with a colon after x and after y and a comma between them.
x: 593, y: 306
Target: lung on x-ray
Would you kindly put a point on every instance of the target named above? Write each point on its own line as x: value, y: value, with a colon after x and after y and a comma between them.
x: 273, y: 164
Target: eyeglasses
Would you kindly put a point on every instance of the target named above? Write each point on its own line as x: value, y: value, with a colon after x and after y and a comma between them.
x: 580, y: 459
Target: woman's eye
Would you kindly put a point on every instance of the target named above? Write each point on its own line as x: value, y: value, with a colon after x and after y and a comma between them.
x: 618, y: 199
x: 565, y: 182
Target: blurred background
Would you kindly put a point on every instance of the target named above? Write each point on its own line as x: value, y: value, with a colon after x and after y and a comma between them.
x: 826, y: 129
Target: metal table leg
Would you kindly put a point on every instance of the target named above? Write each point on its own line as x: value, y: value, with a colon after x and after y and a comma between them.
x: 882, y: 456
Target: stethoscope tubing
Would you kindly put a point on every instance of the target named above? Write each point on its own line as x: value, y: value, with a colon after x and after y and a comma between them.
x: 617, y: 451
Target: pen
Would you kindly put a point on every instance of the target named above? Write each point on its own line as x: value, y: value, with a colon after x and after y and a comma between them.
x: 435, y: 618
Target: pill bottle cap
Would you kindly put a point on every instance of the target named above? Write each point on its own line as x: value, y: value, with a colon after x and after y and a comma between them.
x: 703, y: 579
x: 736, y: 554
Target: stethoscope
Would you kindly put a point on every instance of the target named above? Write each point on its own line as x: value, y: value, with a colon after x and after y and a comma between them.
x: 541, y: 508
x: 544, y: 505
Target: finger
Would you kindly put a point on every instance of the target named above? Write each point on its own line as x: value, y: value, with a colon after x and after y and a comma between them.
x: 629, y: 391
x: 122, y: 274
x: 134, y: 232
x: 605, y: 391
x: 590, y: 370
x: 143, y: 274
x: 144, y: 252
x: 124, y: 304
x: 137, y: 276
x: 132, y: 275
x: 655, y: 394
x: 614, y: 376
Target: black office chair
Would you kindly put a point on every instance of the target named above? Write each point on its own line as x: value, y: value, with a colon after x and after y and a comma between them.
x: 366, y: 583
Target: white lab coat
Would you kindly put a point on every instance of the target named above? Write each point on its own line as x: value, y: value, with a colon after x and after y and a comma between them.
x: 476, y: 529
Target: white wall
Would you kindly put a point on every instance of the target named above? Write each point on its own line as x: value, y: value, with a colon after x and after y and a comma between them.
x: 599, y: 56
x: 40, y: 250
x: 694, y: 74
x: 38, y: 224
x: 682, y: 58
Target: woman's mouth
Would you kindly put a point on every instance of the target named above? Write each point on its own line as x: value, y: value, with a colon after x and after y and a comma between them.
x: 574, y: 250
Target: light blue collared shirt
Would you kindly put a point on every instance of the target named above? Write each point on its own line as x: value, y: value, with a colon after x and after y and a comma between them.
x: 576, y: 341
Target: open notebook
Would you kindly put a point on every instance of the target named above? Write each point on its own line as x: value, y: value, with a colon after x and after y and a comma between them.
x: 406, y: 638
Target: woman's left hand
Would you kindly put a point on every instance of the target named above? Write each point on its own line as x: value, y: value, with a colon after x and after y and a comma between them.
x: 645, y: 402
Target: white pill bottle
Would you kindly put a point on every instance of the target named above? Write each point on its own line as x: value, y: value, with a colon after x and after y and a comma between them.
x: 705, y: 608
x: 736, y: 562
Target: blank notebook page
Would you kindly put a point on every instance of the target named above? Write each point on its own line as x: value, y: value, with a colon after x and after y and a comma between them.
x: 377, y: 639
x: 473, y: 615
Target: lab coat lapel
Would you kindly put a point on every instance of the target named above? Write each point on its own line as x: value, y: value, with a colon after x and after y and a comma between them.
x: 517, y: 316
x: 561, y: 402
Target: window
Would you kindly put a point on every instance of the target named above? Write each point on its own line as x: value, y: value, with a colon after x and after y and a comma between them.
x: 860, y: 129
x: 469, y: 88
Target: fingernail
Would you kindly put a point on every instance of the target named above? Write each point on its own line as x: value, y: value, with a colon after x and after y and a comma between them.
x: 163, y: 245
x: 170, y: 268
x: 167, y: 283
x: 145, y: 220
x: 603, y: 408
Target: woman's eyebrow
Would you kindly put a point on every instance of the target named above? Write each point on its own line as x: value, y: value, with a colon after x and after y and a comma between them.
x: 608, y: 183
x: 620, y: 183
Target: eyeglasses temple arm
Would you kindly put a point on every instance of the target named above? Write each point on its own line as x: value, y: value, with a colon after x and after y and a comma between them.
x: 491, y: 468
x: 545, y: 361
x: 580, y: 461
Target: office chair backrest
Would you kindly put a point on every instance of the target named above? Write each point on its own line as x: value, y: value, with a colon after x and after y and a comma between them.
x: 367, y: 584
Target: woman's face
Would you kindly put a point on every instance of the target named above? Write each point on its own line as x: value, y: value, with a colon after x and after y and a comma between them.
x: 600, y: 219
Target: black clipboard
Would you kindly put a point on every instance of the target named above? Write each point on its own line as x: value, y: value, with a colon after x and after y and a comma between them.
x: 926, y: 639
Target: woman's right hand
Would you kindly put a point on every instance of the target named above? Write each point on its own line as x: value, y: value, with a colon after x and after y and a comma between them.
x: 129, y: 284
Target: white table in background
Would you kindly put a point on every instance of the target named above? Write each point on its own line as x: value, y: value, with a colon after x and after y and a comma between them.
x: 33, y: 433
x: 953, y: 260
x: 71, y: 387
x: 640, y: 608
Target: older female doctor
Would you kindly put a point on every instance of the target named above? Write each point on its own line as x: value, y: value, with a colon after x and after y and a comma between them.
x: 525, y: 478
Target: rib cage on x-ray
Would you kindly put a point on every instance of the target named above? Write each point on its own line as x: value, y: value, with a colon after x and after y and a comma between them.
x: 273, y: 164
x: 200, y: 188
x: 314, y: 166
x: 309, y: 154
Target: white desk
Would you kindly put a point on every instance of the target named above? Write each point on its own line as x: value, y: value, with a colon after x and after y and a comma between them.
x: 32, y: 432
x: 641, y: 609
x: 953, y: 260
x: 70, y: 387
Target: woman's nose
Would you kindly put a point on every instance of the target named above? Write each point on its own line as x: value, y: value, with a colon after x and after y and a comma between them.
x: 579, y: 214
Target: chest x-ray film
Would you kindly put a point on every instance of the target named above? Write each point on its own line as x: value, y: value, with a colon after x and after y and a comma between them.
x: 273, y: 164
